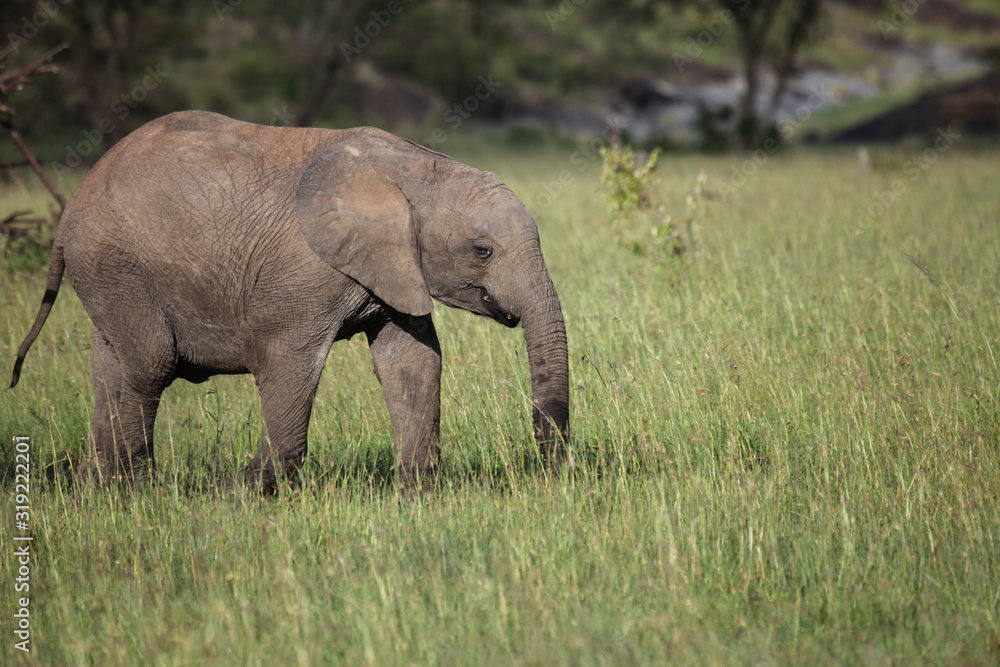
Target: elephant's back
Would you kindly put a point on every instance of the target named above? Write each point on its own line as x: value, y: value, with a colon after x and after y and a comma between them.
x: 190, y: 183
x: 191, y: 173
x: 182, y: 209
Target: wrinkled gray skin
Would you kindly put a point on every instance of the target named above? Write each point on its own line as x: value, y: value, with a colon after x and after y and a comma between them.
x: 201, y: 245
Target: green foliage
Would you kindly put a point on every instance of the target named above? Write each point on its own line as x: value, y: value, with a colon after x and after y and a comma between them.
x: 630, y: 190
x: 628, y: 186
x: 789, y: 457
x: 668, y: 235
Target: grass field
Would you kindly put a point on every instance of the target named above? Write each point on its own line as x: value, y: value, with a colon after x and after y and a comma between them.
x: 789, y: 449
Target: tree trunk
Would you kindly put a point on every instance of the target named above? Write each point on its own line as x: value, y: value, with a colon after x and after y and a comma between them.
x: 753, y: 22
x: 798, y: 30
x: 748, y: 123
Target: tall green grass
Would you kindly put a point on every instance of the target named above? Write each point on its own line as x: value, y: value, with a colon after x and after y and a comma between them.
x: 787, y: 443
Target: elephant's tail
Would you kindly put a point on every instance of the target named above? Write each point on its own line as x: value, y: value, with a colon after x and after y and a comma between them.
x: 56, y: 267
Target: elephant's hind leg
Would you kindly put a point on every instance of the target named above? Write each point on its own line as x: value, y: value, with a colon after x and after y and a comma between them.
x: 99, y: 460
x: 125, y: 405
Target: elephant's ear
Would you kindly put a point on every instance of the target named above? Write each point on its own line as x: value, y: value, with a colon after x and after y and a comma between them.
x: 360, y: 223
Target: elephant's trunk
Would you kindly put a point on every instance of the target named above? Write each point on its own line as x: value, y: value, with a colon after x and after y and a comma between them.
x: 545, y: 336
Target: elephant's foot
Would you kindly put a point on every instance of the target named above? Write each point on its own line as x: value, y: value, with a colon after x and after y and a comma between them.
x: 413, y: 482
x: 262, y: 479
x: 94, y: 472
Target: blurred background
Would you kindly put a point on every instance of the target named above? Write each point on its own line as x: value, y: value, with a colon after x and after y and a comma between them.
x: 712, y: 75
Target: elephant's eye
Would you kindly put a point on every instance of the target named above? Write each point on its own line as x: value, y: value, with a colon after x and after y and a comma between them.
x: 482, y: 250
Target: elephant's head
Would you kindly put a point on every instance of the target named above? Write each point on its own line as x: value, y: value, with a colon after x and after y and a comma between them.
x: 410, y: 224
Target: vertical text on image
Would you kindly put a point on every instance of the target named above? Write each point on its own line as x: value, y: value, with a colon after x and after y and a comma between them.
x: 22, y: 541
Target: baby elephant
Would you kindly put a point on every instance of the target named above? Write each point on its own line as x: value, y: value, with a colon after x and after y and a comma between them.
x: 202, y: 245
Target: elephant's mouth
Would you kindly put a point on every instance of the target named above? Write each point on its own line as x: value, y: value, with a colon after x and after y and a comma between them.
x: 496, y: 312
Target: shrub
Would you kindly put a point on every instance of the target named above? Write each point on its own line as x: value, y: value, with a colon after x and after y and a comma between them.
x: 630, y: 190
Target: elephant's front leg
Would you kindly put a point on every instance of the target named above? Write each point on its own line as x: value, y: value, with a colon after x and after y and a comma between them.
x: 408, y: 364
x: 287, y: 385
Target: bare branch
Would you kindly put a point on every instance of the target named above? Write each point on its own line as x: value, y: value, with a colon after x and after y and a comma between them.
x: 16, y: 81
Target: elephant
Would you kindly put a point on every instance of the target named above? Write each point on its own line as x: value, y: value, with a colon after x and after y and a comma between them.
x: 202, y: 245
